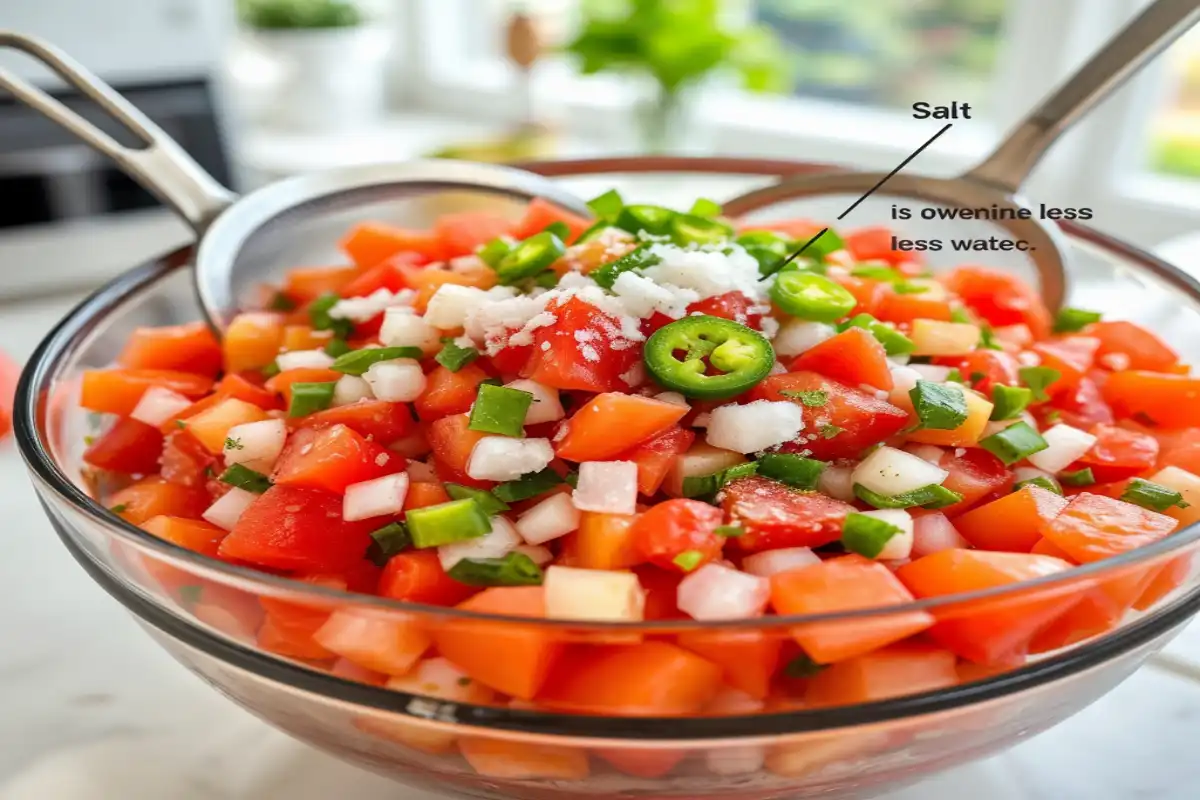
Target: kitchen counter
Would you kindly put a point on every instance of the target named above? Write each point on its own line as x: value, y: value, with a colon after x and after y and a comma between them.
x: 92, y: 709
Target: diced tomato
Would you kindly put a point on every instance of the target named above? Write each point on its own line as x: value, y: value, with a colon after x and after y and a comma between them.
x: 117, y: 391
x: 452, y: 442
x: 662, y: 590
x: 511, y: 360
x: 649, y: 679
x: 672, y: 528
x: 304, y: 337
x: 774, y: 515
x: 305, y: 284
x: 128, y: 446
x: 894, y: 671
x: 845, y: 583
x: 190, y: 347
x: 427, y: 280
x: 283, y: 382
x: 613, y: 423
x: 1140, y: 348
x: 605, y: 541
x: 190, y: 534
x: 417, y: 576
x: 290, y: 641
x: 542, y: 213
x: 462, y: 233
x: 252, y: 341
x: 299, y: 529
x: 655, y: 456
x: 984, y: 369
x: 853, y: 357
x: 238, y: 386
x: 422, y: 494
x: 748, y: 659
x: 1118, y: 454
x: 1169, y: 578
x: 510, y: 657
x: 1170, y: 401
x: 1182, y: 450
x: 990, y: 631
x: 1072, y: 356
x: 869, y: 293
x: 734, y: 306
x: 387, y: 275
x: 643, y: 762
x: 799, y: 229
x: 153, y: 497
x: 211, y: 426
x: 1001, y: 298
x: 975, y: 474
x: 1011, y: 523
x: 874, y: 243
x: 507, y: 759
x: 849, y: 422
x: 185, y: 461
x: 9, y: 373
x: 1080, y: 407
x: 369, y: 243
x: 903, y: 309
x: 583, y: 349
x: 1093, y: 527
x: 390, y: 644
x: 449, y: 392
x: 377, y: 420
x: 332, y: 459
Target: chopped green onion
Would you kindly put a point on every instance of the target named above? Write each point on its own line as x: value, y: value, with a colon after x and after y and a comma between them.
x: 932, y: 496
x: 530, y: 257
x: 802, y: 666
x: 688, y: 560
x: 894, y: 342
x: 960, y: 314
x: 876, y: 273
x: 281, y: 302
x: 938, y: 406
x: 1080, y: 477
x: 797, y: 471
x: 830, y: 431
x: 637, y: 258
x: 499, y: 409
x: 866, y: 535
x: 1070, y: 320
x: 446, y: 523
x: 689, y: 229
x: 494, y: 251
x: 308, y: 398
x: 654, y: 220
x: 703, y: 207
x: 1009, y: 401
x: 318, y: 314
x: 1014, y: 443
x: 904, y: 287
x: 547, y: 280
x: 729, y: 531
x: 1038, y: 379
x: 453, y: 357
x: 190, y: 595
x: 1153, y: 496
x: 767, y: 248
x: 487, y: 501
x: 119, y: 508
x: 607, y: 206
x: 813, y: 399
x: 336, y: 347
x: 594, y: 231
x: 271, y: 370
x: 805, y: 295
x: 357, y: 362
x: 987, y: 339
x: 386, y: 542
x: 527, y: 486
x: 245, y: 478
x: 559, y: 229
x: 955, y: 375
x: 514, y: 569
x: 829, y: 242
x: 1042, y: 482
x: 706, y: 486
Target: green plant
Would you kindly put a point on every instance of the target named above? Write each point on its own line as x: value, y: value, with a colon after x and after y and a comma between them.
x: 299, y: 14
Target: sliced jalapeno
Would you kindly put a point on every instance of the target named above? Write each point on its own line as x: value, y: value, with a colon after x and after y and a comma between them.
x: 680, y: 356
x: 526, y: 259
x: 807, y: 295
x: 767, y: 248
x: 654, y: 220
x: 689, y: 228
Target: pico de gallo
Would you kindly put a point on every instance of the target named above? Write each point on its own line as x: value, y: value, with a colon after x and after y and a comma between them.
x: 655, y: 415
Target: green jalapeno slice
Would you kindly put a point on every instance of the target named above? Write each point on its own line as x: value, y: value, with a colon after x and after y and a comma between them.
x: 708, y: 358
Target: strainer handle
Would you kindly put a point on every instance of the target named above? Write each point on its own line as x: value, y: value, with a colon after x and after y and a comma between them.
x: 160, y: 165
x: 1151, y: 32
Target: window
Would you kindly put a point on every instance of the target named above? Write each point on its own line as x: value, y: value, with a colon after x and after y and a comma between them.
x: 1173, y: 138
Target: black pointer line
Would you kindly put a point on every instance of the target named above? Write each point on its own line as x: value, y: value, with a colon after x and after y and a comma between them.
x: 854, y: 205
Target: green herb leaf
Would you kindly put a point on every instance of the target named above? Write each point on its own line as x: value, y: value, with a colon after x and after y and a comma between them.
x: 1153, y: 496
x: 233, y: 444
x: 527, y: 486
x: 337, y: 347
x: 894, y: 342
x: 245, y: 478
x: 318, y: 315
x: 938, y: 406
x: 514, y: 569
x: 1038, y: 379
x: 453, y: 357
x: 813, y: 399
x: 357, y: 362
x: 638, y: 258
x: 1070, y: 320
x: 830, y: 431
x: 987, y: 338
x: 794, y: 470
x: 487, y: 501
x: 867, y: 535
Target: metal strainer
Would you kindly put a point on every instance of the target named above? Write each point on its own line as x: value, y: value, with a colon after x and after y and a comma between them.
x: 241, y: 238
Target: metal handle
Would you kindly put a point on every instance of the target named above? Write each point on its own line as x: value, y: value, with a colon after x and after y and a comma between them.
x: 161, y: 166
x: 1133, y: 47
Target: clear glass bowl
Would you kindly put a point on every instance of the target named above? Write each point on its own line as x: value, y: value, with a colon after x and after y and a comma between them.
x: 210, y: 615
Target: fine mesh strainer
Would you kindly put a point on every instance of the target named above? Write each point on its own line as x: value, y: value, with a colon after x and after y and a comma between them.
x: 239, y: 238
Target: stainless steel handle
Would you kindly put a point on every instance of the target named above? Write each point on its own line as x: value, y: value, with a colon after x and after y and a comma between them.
x: 1151, y: 32
x: 161, y: 166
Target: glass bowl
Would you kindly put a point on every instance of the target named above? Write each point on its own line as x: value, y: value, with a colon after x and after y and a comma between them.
x: 249, y: 633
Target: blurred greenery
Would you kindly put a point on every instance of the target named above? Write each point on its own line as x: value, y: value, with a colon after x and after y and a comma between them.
x: 299, y: 14
x: 1177, y: 155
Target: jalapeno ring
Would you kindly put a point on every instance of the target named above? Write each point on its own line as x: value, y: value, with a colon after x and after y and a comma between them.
x: 742, y: 356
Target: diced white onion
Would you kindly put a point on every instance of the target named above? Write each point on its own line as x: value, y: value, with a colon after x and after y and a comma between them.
x: 400, y: 380
x: 593, y: 594
x: 256, y: 444
x: 159, y: 404
x: 701, y: 420
x: 419, y: 471
x: 931, y: 453
x: 350, y: 389
x: 889, y: 471
x: 900, y: 545
x: 364, y: 309
x: 717, y: 592
x: 674, y: 398
x: 229, y: 508
x: 436, y: 677
x: 553, y: 517
x: 536, y: 553
x: 931, y: 372
x: 501, y: 541
x: 1064, y: 445
x: 502, y: 458
x: 933, y: 533
x: 303, y: 359
x: 546, y: 406
x: 997, y: 425
x: 1030, y: 473
x: 451, y: 304
x: 904, y: 380
x: 796, y: 336
x: 375, y: 498
x: 772, y: 562
x: 701, y: 459
x: 837, y: 482
x: 402, y: 328
x: 609, y: 487
x: 754, y: 426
